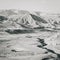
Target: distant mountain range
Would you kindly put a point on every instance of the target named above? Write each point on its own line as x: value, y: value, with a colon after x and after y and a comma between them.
x: 25, y: 20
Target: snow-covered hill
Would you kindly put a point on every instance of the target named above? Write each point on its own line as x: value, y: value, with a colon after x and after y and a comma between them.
x: 20, y: 19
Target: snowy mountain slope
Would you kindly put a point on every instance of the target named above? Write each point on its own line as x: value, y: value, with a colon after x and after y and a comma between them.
x: 20, y: 19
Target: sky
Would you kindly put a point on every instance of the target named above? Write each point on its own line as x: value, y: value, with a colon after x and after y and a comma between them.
x: 51, y: 6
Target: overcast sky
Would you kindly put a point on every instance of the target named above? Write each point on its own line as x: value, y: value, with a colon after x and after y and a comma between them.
x: 32, y: 5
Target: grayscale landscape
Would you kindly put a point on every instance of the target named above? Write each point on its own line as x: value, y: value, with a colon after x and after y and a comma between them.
x: 26, y: 35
